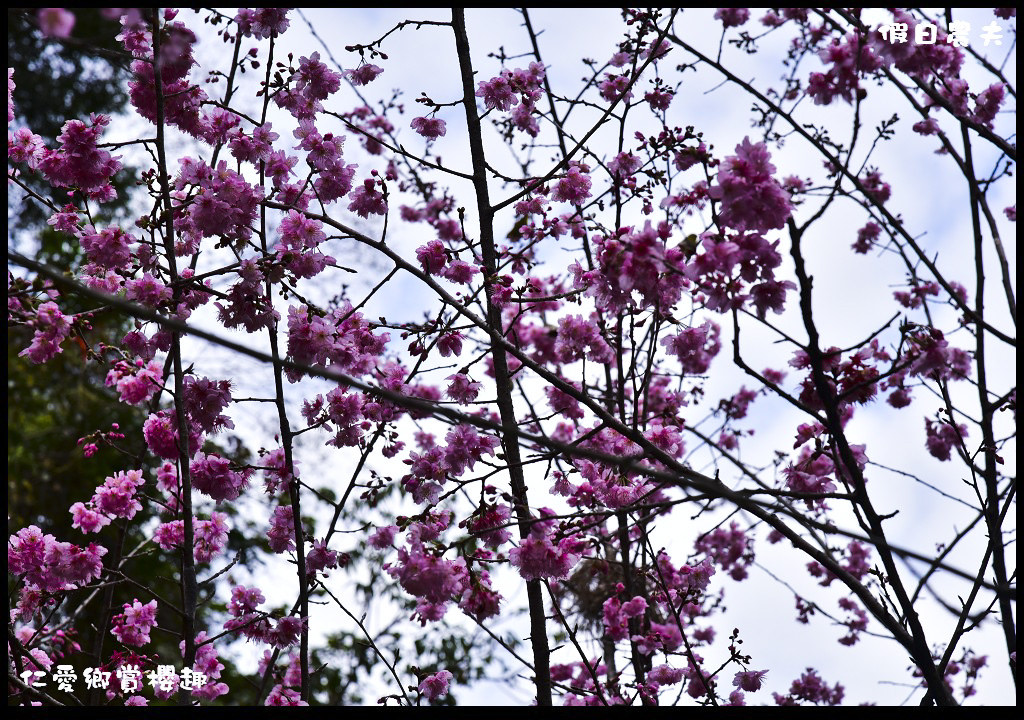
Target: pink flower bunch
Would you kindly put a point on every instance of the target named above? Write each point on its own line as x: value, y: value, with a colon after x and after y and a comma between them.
x: 110, y: 248
x: 876, y: 188
x: 364, y: 74
x: 210, y: 537
x: 342, y: 338
x: 987, y: 104
x: 462, y: 389
x: 314, y: 80
x: 563, y: 403
x: 283, y: 694
x: 920, y: 60
x: 520, y: 88
x: 147, y: 290
x: 665, y: 675
x: 867, y: 236
x: 51, y: 566
x: 282, y: 529
x: 431, y: 578
x: 539, y: 558
x: 132, y: 626
x: 634, y: 262
x: 204, y: 399
x: 479, y: 600
x: 751, y: 198
x: 87, y: 519
x: 928, y: 126
x: 848, y: 60
x: 275, y: 473
x: 851, y: 379
x: 687, y: 157
x: 942, y: 437
x: 603, y: 486
x: 56, y: 22
x: 117, y: 496
x: 224, y: 204
x: 465, y: 446
x: 933, y: 357
x: 450, y: 344
x: 320, y: 558
x: 262, y: 22
x: 161, y: 433
x: 182, y: 101
x: 24, y: 146
x: 490, y: 523
x: 540, y: 555
x: 730, y: 549
x: 209, y: 666
x: 737, y: 406
x: 429, y: 127
x: 497, y: 93
x: 324, y: 156
x: 956, y: 92
x: 213, y: 476
x: 732, y: 17
x: 254, y: 148
x: 580, y: 677
x: 574, y: 187
x: 749, y: 680
x: 659, y: 99
x: 367, y: 200
x: 622, y: 166
x: 856, y: 622
x: 699, y: 676
x: 246, y: 305
x: 432, y: 257
x: 373, y: 126
x: 918, y: 292
x: 616, y: 615
x: 695, y: 347
x: 243, y: 606
x: 286, y: 632
x: 665, y: 436
x: 461, y: 272
x: 137, y: 382
x: 78, y: 162
x: 383, y: 537
x: 52, y: 327
x: 616, y: 86
x: 810, y: 474
x: 346, y: 412
x: 579, y: 338
x: 725, y: 266
x: 810, y: 687
x: 435, y: 687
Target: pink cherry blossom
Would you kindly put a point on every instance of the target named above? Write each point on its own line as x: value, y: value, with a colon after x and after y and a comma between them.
x: 430, y: 128
x: 751, y: 198
x: 435, y: 687
x: 56, y: 22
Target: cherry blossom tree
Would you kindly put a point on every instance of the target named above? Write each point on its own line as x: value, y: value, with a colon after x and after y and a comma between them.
x: 546, y: 377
